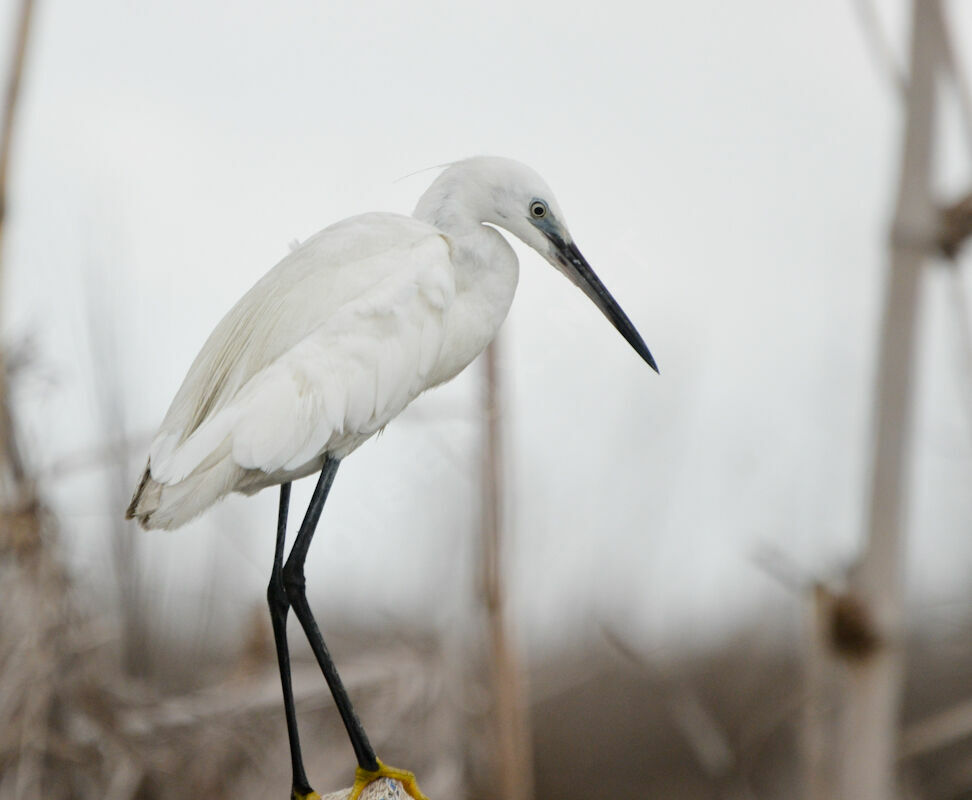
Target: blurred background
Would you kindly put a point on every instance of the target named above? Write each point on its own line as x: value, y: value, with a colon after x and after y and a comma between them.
x: 697, y: 573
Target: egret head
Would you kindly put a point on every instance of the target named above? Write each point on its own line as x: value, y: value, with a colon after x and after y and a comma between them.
x: 510, y: 195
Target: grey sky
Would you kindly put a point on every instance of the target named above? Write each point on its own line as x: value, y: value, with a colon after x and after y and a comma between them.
x: 726, y: 167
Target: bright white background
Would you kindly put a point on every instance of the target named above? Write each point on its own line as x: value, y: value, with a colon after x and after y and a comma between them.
x: 728, y: 168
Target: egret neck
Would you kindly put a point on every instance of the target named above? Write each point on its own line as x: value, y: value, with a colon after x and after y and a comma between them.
x: 486, y: 274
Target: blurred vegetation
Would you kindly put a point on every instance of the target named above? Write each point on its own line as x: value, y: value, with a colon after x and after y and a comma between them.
x: 608, y: 721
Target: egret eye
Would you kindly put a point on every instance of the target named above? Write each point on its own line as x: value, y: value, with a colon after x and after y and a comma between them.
x: 538, y: 209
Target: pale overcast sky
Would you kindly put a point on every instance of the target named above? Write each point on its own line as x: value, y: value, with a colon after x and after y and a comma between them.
x: 728, y: 168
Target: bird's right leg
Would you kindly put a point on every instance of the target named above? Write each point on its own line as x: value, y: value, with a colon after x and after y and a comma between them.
x: 295, y: 586
x: 279, y: 606
x: 370, y: 768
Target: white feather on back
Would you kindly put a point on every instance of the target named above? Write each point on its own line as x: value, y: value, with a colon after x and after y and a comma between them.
x: 321, y: 353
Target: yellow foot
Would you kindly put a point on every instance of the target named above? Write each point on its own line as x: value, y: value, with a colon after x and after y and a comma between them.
x: 363, y: 777
x: 311, y: 795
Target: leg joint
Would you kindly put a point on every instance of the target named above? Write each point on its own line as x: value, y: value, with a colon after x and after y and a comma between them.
x: 277, y: 595
x: 292, y: 579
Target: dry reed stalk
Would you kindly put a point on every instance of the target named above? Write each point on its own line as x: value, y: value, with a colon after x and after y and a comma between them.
x: 512, y: 755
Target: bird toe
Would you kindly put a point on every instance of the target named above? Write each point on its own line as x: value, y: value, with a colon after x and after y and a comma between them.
x: 364, y: 777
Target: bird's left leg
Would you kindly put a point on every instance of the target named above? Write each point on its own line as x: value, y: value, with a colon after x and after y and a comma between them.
x: 370, y: 767
x: 279, y: 606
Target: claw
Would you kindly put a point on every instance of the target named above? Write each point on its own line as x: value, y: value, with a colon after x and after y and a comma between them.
x: 362, y: 777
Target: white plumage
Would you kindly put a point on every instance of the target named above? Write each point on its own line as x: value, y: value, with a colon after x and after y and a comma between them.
x: 349, y: 328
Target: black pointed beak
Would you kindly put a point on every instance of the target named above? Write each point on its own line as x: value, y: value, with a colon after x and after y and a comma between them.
x: 575, y: 267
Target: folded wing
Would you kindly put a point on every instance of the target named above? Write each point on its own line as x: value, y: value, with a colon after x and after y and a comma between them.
x: 327, y: 348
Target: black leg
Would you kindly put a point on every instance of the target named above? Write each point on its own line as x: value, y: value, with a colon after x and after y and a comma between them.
x: 279, y: 606
x: 293, y: 581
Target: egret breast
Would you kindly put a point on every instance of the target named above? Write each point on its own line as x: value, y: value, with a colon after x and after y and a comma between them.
x: 486, y: 275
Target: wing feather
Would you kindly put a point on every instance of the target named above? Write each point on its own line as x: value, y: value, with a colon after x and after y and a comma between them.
x: 320, y: 353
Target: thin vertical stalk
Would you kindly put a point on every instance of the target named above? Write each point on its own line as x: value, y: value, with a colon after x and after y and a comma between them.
x: 874, y: 697
x: 12, y: 479
x: 855, y: 659
x: 510, y: 728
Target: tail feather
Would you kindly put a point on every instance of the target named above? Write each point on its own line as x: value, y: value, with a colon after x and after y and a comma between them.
x: 159, y: 505
x: 132, y: 511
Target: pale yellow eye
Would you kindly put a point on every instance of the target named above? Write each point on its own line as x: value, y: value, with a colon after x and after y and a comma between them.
x: 538, y: 209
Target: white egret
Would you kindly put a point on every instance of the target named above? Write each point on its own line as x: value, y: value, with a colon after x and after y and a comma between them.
x: 332, y: 344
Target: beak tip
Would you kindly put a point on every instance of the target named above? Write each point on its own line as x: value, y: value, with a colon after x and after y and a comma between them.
x: 650, y: 361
